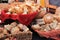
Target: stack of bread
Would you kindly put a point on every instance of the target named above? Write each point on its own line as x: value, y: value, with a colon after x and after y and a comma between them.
x: 48, y: 22
x: 23, y: 8
x: 12, y: 28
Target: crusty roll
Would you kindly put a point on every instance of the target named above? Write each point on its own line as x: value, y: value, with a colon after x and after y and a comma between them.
x: 48, y: 18
x: 41, y: 13
x: 5, y: 32
x: 4, y: 6
x: 15, y: 30
x: 8, y: 27
x: 13, y: 24
x: 57, y: 14
x: 35, y: 27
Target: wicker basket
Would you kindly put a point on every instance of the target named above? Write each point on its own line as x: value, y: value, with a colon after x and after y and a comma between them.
x: 19, y: 36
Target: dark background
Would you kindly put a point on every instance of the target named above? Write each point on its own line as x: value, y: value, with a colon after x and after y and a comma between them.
x: 3, y: 1
x: 55, y: 2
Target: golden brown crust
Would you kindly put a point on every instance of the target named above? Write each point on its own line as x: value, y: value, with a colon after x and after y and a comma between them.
x: 48, y: 18
x: 4, y: 5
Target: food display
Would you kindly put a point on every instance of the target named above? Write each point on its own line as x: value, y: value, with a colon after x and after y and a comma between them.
x: 29, y: 13
x: 23, y: 8
x: 12, y: 28
x: 49, y: 25
x: 46, y: 27
x: 24, y: 12
x: 48, y: 30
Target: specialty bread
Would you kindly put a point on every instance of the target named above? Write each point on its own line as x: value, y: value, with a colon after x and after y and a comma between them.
x: 4, y: 6
x: 25, y: 8
x: 48, y: 18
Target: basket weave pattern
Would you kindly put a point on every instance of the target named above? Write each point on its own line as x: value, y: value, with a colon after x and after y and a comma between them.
x: 20, y: 36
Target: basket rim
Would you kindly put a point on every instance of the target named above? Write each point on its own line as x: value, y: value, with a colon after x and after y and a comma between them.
x: 9, y: 35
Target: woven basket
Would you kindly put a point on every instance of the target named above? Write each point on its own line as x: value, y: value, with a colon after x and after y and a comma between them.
x: 20, y: 36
